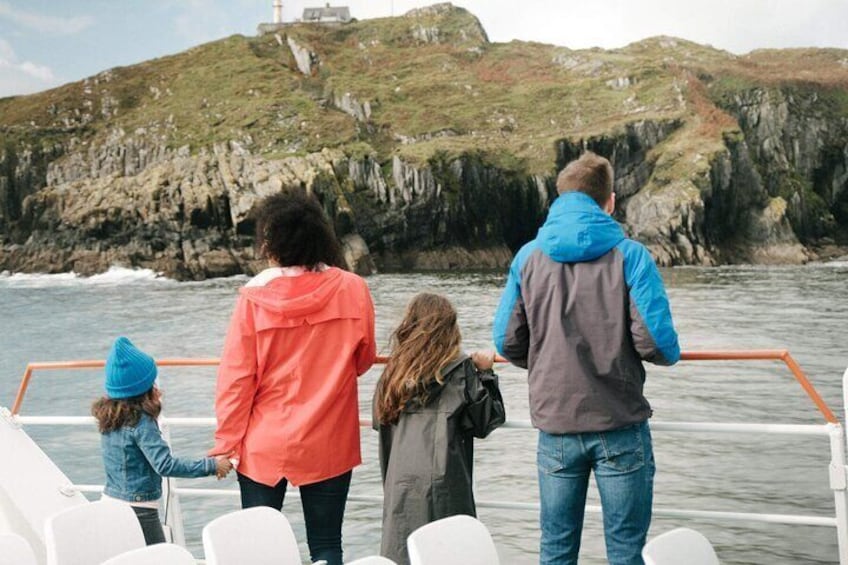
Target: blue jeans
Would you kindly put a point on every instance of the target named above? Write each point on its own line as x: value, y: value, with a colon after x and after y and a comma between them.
x: 623, y: 462
x: 323, y: 511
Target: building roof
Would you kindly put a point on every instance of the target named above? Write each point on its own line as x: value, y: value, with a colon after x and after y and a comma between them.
x: 327, y: 13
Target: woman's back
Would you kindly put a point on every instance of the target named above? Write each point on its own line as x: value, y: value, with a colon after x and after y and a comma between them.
x: 286, y: 401
x: 288, y: 374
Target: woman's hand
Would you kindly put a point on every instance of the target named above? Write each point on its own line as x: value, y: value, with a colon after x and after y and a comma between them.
x: 483, y: 360
x: 223, y: 466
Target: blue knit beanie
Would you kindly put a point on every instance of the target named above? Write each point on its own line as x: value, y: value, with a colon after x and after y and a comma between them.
x: 129, y: 370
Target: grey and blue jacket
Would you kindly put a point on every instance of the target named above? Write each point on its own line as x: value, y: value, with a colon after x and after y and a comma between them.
x: 137, y: 457
x: 582, y: 308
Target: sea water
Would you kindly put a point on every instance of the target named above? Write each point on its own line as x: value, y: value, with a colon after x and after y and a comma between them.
x: 803, y: 309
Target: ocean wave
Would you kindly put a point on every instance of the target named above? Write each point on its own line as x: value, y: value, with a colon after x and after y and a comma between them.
x: 114, y: 276
x: 837, y: 264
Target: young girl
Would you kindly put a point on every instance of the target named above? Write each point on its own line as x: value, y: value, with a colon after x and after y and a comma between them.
x: 134, y: 453
x: 429, y: 404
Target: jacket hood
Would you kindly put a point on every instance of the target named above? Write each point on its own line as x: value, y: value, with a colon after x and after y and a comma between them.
x: 293, y: 297
x: 434, y: 388
x: 577, y: 230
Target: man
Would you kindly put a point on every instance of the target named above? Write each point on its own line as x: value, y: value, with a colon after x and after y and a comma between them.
x: 582, y: 308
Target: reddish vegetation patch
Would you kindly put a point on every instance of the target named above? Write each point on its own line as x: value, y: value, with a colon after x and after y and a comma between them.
x: 500, y: 72
x: 713, y: 120
x: 521, y: 63
x: 824, y: 67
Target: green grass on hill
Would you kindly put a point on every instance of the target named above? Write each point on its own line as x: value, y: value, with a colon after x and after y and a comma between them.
x: 456, y: 94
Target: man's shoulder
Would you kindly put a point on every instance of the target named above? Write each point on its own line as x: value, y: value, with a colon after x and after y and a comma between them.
x: 628, y: 245
x: 524, y: 253
x: 633, y: 252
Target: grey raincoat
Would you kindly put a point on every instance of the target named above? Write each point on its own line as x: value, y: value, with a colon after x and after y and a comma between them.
x: 426, y: 458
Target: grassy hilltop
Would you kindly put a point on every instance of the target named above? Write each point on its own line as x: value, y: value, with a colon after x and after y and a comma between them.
x: 431, y: 74
x: 713, y: 151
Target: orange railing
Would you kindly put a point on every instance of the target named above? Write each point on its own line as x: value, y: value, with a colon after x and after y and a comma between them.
x: 741, y: 355
x: 57, y: 365
x: 768, y: 355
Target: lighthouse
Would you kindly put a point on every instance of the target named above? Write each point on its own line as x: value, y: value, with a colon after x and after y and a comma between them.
x: 273, y: 26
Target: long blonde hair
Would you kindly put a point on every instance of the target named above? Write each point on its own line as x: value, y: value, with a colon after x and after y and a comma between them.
x: 425, y: 342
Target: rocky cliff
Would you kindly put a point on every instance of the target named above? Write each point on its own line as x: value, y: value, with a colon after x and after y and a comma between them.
x: 429, y: 146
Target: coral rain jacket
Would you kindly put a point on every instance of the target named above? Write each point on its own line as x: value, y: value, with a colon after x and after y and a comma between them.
x: 287, y: 401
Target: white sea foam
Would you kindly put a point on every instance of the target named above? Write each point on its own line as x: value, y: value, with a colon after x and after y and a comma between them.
x: 120, y: 275
x: 839, y: 263
x: 114, y: 276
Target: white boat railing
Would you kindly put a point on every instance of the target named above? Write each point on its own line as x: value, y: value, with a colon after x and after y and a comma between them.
x: 838, y: 466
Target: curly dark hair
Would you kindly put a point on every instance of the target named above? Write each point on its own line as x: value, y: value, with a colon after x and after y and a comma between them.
x: 292, y: 229
x: 115, y: 413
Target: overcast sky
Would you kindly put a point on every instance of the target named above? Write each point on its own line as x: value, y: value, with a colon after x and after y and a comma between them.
x: 44, y: 43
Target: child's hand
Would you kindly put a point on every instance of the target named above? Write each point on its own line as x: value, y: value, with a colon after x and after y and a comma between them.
x: 483, y: 360
x: 222, y: 466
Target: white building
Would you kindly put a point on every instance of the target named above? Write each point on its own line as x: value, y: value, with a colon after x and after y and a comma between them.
x: 327, y: 15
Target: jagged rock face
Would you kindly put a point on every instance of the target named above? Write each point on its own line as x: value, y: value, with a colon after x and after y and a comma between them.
x: 458, y: 204
x: 801, y: 153
x: 22, y: 173
x: 742, y: 217
x: 726, y: 215
x: 186, y: 215
x: 133, y: 202
x: 190, y: 216
x: 668, y: 220
x: 303, y: 56
x: 627, y: 151
x: 433, y: 34
x: 475, y: 213
x: 670, y: 223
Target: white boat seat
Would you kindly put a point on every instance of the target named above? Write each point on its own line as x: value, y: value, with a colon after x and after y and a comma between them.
x: 259, y: 536
x: 681, y: 545
x: 457, y: 540
x: 89, y: 534
x: 373, y: 560
x: 15, y: 550
x: 159, y: 554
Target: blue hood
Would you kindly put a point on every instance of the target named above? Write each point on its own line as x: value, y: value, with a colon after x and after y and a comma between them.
x: 577, y: 229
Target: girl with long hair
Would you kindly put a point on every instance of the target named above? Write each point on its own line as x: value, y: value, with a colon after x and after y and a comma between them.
x: 429, y: 404
x: 134, y: 454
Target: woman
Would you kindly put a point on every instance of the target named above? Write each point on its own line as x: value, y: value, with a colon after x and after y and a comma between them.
x: 286, y: 401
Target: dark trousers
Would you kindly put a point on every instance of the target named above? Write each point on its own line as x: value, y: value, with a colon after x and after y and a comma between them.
x: 323, y: 511
x: 150, y: 525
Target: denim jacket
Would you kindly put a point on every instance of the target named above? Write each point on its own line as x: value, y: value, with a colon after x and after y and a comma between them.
x: 136, y: 458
